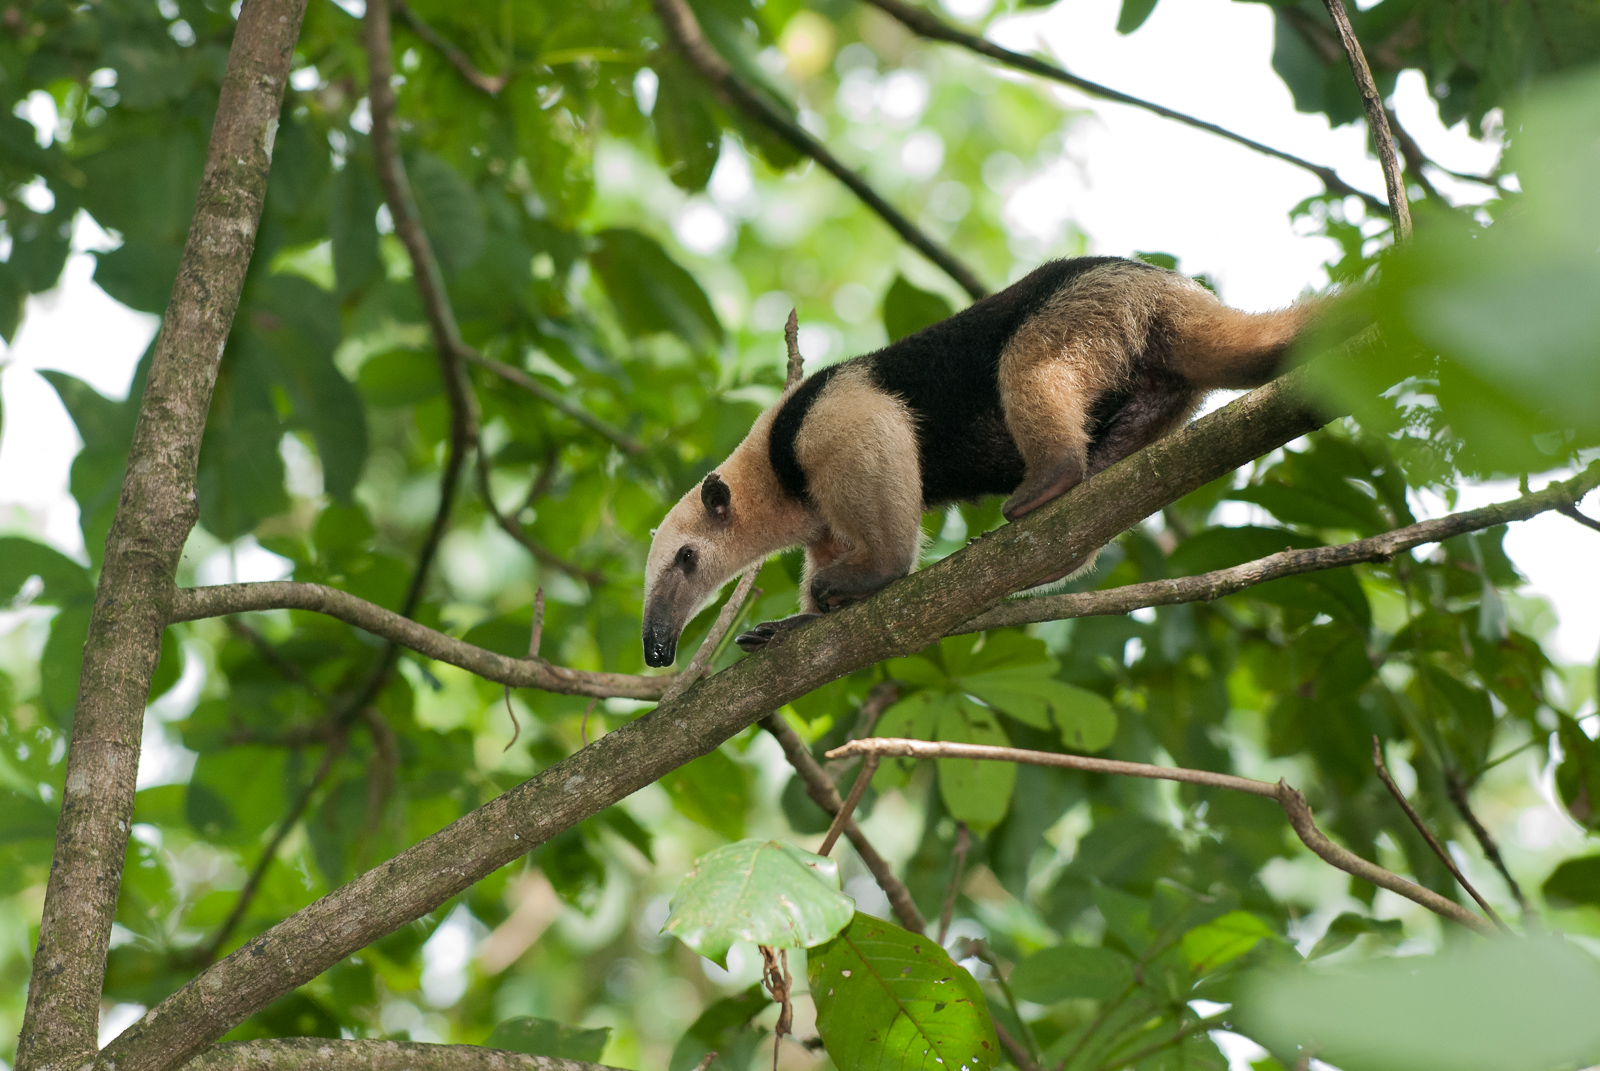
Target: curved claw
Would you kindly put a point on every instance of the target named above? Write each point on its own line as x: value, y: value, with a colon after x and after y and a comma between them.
x: 757, y: 638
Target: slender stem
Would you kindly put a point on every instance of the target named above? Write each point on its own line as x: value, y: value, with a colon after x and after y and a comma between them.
x: 1377, y: 120
x: 794, y: 366
x: 155, y: 513
x: 1214, y: 585
x: 491, y: 84
x: 685, y: 32
x: 1292, y: 802
x: 513, y: 528
x: 959, y: 865
x: 1014, y: 1049
x: 883, y: 695
x: 980, y: 948
x: 926, y: 24
x: 719, y: 630
x: 1457, y: 791
x: 823, y: 793
x: 869, y: 766
x: 1427, y: 835
x: 1572, y: 511
x: 1133, y: 1058
x: 1413, y: 155
x: 513, y: 374
x: 252, y: 885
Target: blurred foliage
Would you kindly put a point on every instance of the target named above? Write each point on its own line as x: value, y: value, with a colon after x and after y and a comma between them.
x: 605, y: 224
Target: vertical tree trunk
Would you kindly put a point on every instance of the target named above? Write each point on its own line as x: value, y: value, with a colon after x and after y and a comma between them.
x: 156, y: 511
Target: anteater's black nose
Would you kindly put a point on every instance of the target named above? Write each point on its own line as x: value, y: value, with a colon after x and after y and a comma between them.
x: 659, y: 650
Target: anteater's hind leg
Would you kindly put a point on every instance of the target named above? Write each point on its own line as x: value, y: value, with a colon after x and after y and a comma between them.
x: 1158, y: 405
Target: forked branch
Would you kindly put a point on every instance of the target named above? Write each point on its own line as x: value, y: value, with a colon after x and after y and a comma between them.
x: 1293, y: 803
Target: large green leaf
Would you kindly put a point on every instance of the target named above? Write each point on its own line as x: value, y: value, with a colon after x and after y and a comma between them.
x: 449, y: 208
x: 725, y: 1029
x: 889, y: 1000
x: 1209, y: 946
x: 713, y: 790
x: 1065, y: 971
x: 686, y: 134
x: 974, y: 791
x: 650, y: 291
x: 907, y: 310
x: 1576, y: 881
x: 763, y: 891
x: 546, y: 1037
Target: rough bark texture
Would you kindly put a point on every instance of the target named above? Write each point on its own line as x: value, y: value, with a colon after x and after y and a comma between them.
x: 1377, y: 120
x: 323, y: 1054
x: 903, y: 618
x: 154, y: 516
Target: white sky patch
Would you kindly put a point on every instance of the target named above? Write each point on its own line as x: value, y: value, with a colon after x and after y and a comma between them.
x: 702, y: 228
x: 446, y: 956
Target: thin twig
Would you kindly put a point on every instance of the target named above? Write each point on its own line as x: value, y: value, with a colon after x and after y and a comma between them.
x: 273, y: 657
x: 1133, y: 1058
x: 869, y: 766
x: 794, y: 368
x: 823, y: 793
x: 1427, y: 835
x: 1377, y: 121
x: 685, y: 32
x: 1214, y: 585
x: 706, y: 1061
x: 241, y: 903
x: 977, y: 946
x: 1293, y: 803
x: 583, y: 727
x: 536, y: 629
x: 708, y: 647
x: 515, y: 375
x: 882, y: 696
x: 1014, y: 1048
x: 515, y: 724
x: 513, y: 528
x: 1570, y: 510
x: 926, y: 24
x: 491, y: 84
x: 958, y: 866
x: 1457, y: 791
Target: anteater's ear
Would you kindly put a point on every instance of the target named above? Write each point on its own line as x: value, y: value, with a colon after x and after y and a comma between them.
x: 716, y: 497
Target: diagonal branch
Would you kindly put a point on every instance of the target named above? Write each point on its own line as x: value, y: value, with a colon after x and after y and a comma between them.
x: 155, y: 513
x: 513, y: 374
x: 685, y: 32
x: 1293, y: 803
x: 926, y: 24
x: 1377, y: 121
x: 296, y: 1054
x: 1571, y: 510
x: 823, y: 793
x: 1216, y: 584
x: 190, y: 604
x: 491, y: 84
x: 1457, y: 792
x: 513, y: 528
x: 719, y: 629
x: 904, y: 617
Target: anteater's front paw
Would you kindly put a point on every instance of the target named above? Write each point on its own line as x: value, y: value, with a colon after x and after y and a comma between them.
x: 830, y: 591
x: 1042, y: 486
x: 757, y: 638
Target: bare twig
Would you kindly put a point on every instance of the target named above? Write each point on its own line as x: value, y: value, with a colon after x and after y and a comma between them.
x: 252, y: 884
x: 1014, y: 1048
x: 685, y: 32
x: 884, y: 694
x: 1195, y: 1026
x: 958, y: 868
x: 1377, y: 121
x: 515, y: 724
x: 929, y: 25
x: 1214, y: 585
x: 869, y: 766
x: 1458, y: 796
x: 536, y: 630
x: 706, y: 1061
x: 775, y: 976
x: 1571, y: 510
x: 977, y: 946
x: 513, y: 528
x: 823, y: 793
x: 583, y: 726
x: 222, y: 599
x: 491, y: 84
x: 273, y: 657
x: 1427, y: 835
x: 794, y: 368
x: 513, y: 374
x: 719, y: 629
x: 1292, y: 802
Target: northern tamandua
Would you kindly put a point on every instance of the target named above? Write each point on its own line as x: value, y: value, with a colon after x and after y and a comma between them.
x: 1026, y: 392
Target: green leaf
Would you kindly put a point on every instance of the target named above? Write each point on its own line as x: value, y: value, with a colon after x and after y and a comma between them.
x: 64, y: 579
x: 1133, y: 15
x: 1507, y: 1005
x: 763, y: 891
x: 545, y: 1037
x: 907, y: 310
x: 24, y: 818
x: 686, y: 134
x: 650, y: 291
x: 1065, y: 971
x: 1344, y: 930
x: 1574, y: 882
x: 450, y: 211
x: 139, y: 273
x: 974, y: 791
x: 1227, y: 938
x: 400, y: 377
x: 234, y: 795
x: 724, y: 1028
x: 713, y: 791
x: 352, y: 224
x: 889, y: 1000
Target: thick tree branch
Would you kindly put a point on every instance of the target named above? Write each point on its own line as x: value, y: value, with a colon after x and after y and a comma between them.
x: 1377, y: 121
x: 823, y: 793
x: 324, y: 1054
x: 189, y: 604
x: 904, y: 617
x: 154, y: 515
x: 512, y: 374
x: 926, y: 24
x: 685, y: 32
x: 1293, y: 803
x: 491, y: 84
x: 1216, y: 584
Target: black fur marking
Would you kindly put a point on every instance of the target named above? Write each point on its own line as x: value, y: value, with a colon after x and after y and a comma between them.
x: 949, y: 375
x: 786, y: 427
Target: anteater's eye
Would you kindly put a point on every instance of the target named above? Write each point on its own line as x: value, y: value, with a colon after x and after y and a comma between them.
x: 686, y: 559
